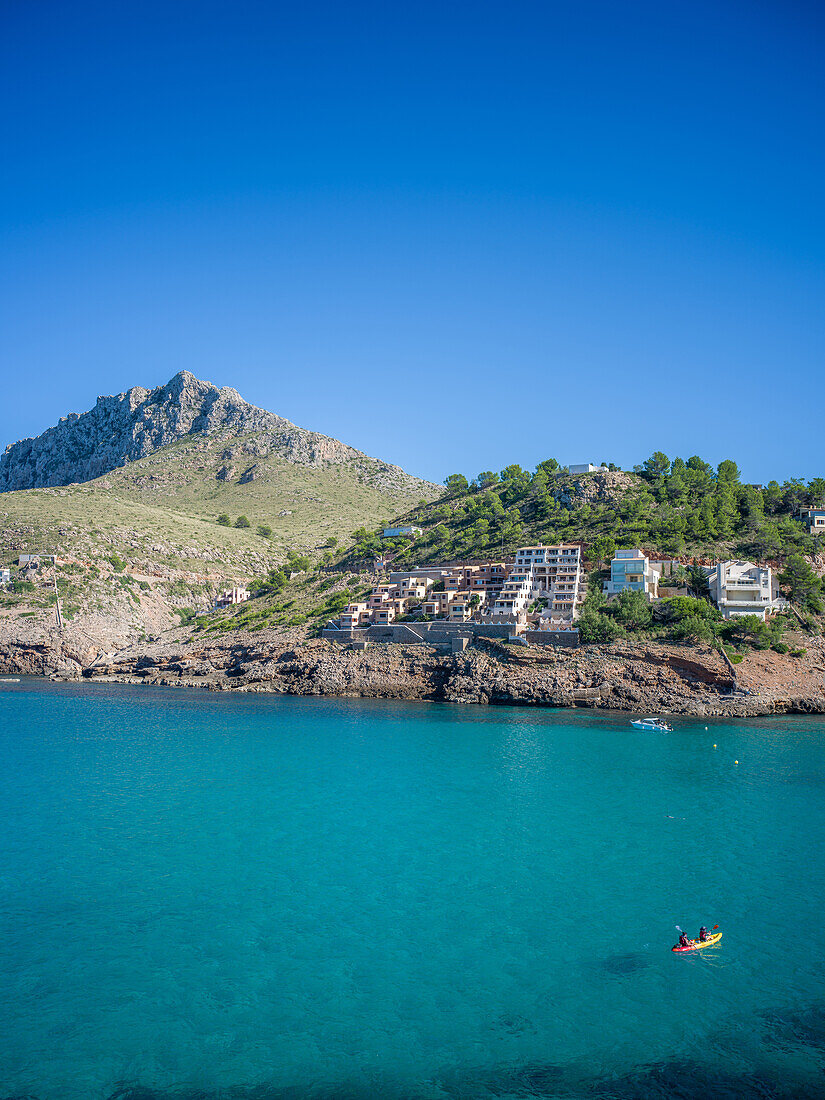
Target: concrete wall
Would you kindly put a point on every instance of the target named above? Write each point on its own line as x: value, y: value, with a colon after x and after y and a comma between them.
x: 434, y: 633
x: 567, y: 638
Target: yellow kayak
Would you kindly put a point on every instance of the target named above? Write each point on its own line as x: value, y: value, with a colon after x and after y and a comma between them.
x: 700, y: 945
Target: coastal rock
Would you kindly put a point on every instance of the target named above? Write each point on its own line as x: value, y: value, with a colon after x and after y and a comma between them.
x: 649, y: 678
x: 641, y: 678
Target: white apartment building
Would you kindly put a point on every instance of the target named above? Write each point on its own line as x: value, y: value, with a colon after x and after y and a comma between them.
x: 553, y: 573
x: 741, y: 588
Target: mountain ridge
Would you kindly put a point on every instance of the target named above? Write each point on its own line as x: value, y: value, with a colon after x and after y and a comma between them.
x: 133, y: 425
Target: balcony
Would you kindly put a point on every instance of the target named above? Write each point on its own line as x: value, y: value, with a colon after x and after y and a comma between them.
x: 744, y: 601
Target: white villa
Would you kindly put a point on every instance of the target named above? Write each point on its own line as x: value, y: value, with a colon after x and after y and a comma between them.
x: 814, y: 520
x: 741, y: 588
x: 631, y: 571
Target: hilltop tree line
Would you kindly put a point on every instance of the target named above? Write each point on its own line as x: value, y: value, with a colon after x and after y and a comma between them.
x: 684, y: 507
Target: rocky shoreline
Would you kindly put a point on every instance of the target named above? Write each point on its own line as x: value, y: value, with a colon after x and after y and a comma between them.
x: 640, y: 677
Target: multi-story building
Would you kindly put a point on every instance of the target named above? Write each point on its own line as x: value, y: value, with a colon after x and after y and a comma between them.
x: 385, y: 603
x: 460, y: 609
x: 466, y: 589
x: 488, y: 578
x: 424, y: 574
x: 413, y: 588
x: 550, y: 573
x: 516, y: 595
x: 631, y: 571
x: 437, y: 604
x: 741, y: 588
x: 466, y: 605
x: 814, y: 520
x: 380, y: 595
x: 355, y: 614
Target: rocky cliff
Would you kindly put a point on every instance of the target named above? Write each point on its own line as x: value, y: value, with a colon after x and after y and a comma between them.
x: 640, y: 679
x: 134, y: 424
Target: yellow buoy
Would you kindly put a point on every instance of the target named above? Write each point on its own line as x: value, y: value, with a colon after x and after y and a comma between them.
x: 736, y: 761
x: 714, y: 746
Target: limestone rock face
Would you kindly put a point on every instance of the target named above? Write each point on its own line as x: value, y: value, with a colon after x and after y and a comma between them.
x: 639, y: 679
x: 134, y: 424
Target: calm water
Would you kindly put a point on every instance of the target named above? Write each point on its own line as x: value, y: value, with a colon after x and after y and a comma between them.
x: 220, y: 896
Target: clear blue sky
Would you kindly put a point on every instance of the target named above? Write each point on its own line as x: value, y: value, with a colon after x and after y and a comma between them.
x: 456, y: 235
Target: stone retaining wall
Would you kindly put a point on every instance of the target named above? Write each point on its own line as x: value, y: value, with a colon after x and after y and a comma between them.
x: 567, y: 638
x: 434, y: 633
x: 442, y: 633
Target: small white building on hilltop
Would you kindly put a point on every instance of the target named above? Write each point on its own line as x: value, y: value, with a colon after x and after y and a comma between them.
x: 5, y: 578
x: 587, y: 468
x: 741, y: 588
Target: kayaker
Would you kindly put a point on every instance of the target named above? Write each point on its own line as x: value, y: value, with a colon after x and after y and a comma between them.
x: 683, y: 940
x: 703, y: 933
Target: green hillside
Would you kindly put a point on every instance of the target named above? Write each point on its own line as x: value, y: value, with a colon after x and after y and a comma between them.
x: 176, y: 496
x: 152, y: 542
x: 681, y: 508
x: 686, y: 510
x: 159, y: 518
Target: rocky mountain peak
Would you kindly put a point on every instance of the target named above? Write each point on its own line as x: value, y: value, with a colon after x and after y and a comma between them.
x: 134, y: 424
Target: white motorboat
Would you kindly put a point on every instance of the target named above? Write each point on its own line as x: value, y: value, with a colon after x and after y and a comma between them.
x: 9, y: 679
x: 652, y: 724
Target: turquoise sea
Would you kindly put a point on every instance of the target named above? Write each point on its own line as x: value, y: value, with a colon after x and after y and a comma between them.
x: 213, y: 896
